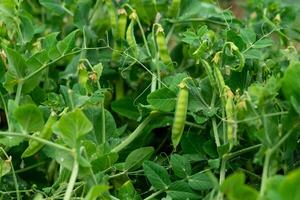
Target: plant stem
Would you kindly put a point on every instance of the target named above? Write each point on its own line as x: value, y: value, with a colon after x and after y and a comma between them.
x: 241, y: 151
x: 154, y: 195
x: 215, y: 130
x: 13, y: 173
x: 265, y: 173
x: 222, y: 177
x: 72, y: 180
x: 134, y: 134
x: 103, y: 122
x: 19, y: 91
x: 46, y: 142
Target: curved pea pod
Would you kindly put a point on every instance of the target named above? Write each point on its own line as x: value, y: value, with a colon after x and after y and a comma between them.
x: 180, y: 113
x: 162, y: 47
x: 46, y: 133
x: 130, y: 35
x: 174, y: 8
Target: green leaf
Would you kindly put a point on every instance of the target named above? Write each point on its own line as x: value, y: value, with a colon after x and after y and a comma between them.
x: 200, y: 181
x: 64, y: 46
x: 181, y: 166
x: 157, y: 175
x: 253, y: 54
x: 248, y: 35
x: 263, y: 43
x: 291, y: 84
x: 128, y: 192
x: 104, y: 161
x: 96, y: 191
x: 72, y: 126
x: 180, y: 190
x: 65, y: 159
x: 162, y: 99
x: 289, y: 187
x: 235, y: 189
x: 125, y: 108
x: 55, y: 6
x: 5, y: 167
x: 135, y: 159
x: 30, y: 117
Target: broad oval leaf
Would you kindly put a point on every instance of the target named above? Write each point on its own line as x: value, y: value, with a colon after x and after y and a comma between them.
x: 157, y: 175
x: 135, y: 159
x: 162, y: 99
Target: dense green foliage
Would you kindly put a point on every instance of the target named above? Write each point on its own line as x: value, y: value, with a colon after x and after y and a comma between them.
x: 149, y: 99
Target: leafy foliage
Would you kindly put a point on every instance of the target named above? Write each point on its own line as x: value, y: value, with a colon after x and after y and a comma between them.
x: 149, y: 99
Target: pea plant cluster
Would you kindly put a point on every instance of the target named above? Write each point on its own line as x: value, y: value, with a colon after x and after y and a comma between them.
x: 149, y: 99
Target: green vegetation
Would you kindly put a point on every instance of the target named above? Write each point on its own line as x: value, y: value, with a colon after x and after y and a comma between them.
x: 149, y: 99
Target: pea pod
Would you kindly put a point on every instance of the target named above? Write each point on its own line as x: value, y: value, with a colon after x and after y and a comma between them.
x: 231, y: 125
x: 46, y: 133
x: 130, y: 35
x: 174, y: 8
x: 162, y: 47
x: 180, y: 113
x: 112, y: 15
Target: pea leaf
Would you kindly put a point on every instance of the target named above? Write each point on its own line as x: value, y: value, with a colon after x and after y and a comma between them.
x: 288, y: 188
x: 135, y: 159
x: 162, y: 99
x: 180, y: 190
x: 200, y: 181
x: 181, y: 166
x: 30, y: 117
x: 128, y: 192
x: 248, y: 35
x: 263, y: 43
x: 72, y: 126
x: 125, y: 108
x: 96, y: 191
x: 157, y: 175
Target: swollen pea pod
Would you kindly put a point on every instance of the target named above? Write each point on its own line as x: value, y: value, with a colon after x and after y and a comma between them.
x: 46, y: 133
x: 174, y: 8
x: 220, y: 82
x: 180, y: 113
x: 162, y: 47
x: 112, y: 15
x: 231, y: 125
x: 130, y: 35
x: 120, y: 34
x: 122, y: 23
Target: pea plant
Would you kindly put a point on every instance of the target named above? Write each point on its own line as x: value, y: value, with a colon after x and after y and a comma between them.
x: 149, y: 99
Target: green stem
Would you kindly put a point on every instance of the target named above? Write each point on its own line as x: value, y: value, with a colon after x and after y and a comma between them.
x: 13, y: 173
x: 216, y: 134
x: 134, y: 134
x: 103, y: 123
x: 5, y: 108
x: 19, y: 92
x: 46, y: 142
x: 222, y: 177
x: 180, y: 21
x: 265, y: 173
x: 72, y: 180
x: 154, y: 195
x: 241, y: 151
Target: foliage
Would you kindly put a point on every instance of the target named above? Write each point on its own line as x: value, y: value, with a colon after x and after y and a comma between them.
x: 160, y: 99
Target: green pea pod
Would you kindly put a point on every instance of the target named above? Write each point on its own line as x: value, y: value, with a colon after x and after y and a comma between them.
x: 130, y: 35
x: 229, y: 109
x: 122, y: 23
x: 112, y: 15
x: 180, y: 113
x: 162, y: 47
x: 174, y: 8
x: 46, y: 133
x: 120, y: 34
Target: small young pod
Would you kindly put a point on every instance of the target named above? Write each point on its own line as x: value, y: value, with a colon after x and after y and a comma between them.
x: 46, y: 133
x: 162, y: 47
x: 180, y: 113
